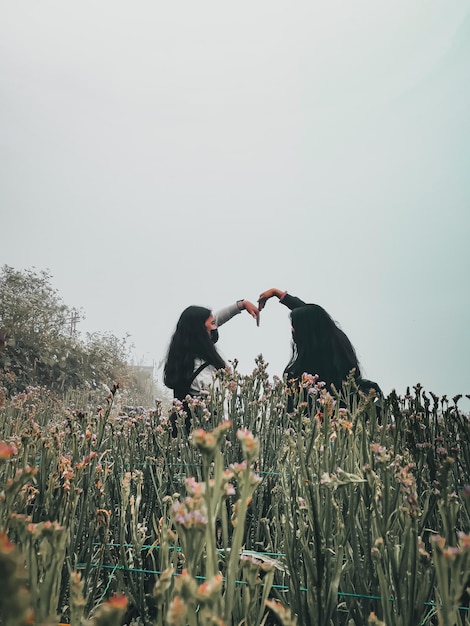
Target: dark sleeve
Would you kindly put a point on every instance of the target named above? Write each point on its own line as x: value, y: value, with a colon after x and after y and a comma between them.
x: 291, y: 302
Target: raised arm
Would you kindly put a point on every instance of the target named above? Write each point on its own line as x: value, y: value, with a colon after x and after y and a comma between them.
x: 291, y: 302
x: 226, y: 314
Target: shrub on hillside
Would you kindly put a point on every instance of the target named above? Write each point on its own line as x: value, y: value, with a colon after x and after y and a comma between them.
x: 40, y: 346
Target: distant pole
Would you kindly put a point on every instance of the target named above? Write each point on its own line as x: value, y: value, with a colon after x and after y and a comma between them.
x: 74, y: 319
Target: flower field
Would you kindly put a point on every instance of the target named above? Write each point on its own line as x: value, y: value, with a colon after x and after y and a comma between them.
x: 283, y: 506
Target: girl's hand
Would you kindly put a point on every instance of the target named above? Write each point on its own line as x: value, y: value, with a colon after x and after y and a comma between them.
x: 252, y: 310
x: 269, y: 293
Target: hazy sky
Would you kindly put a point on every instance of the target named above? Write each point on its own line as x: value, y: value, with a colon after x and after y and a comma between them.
x: 160, y: 154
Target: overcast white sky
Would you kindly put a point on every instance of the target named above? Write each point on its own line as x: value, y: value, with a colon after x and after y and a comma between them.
x: 160, y: 154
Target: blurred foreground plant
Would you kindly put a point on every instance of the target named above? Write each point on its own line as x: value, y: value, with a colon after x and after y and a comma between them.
x: 453, y: 579
x: 43, y: 546
x: 15, y: 601
x: 235, y: 592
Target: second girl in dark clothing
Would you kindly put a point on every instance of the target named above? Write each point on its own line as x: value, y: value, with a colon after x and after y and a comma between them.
x: 319, y: 346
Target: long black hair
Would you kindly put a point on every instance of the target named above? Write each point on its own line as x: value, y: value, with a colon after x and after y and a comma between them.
x: 189, y: 341
x: 320, y: 347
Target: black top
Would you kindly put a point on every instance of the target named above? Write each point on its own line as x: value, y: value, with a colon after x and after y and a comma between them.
x: 365, y: 385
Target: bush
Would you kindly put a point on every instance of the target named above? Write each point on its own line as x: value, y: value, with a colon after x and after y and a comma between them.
x: 40, y: 346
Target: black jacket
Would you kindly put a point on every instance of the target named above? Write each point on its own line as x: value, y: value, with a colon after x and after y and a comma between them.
x: 365, y: 385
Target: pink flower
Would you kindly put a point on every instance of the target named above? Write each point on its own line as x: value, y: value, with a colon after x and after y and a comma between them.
x: 250, y: 444
x: 6, y: 451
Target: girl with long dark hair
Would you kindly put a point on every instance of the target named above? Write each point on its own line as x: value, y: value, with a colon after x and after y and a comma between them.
x: 319, y: 346
x: 192, y: 358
